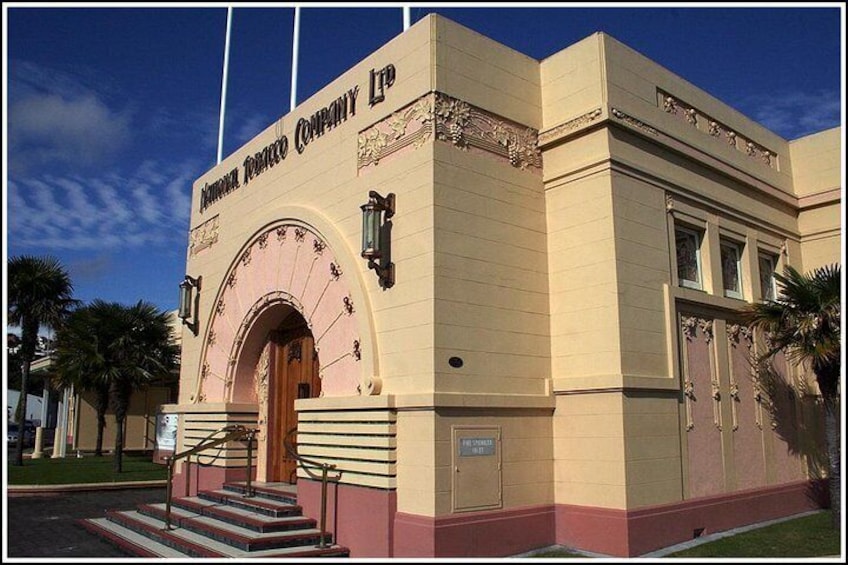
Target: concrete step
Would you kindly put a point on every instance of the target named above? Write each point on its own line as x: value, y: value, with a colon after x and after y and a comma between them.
x: 231, y: 534
x: 244, y: 517
x: 200, y: 536
x: 129, y: 541
x: 259, y: 503
x: 283, y: 492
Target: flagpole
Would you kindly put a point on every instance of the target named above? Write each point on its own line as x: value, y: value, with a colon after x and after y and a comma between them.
x: 406, y: 18
x: 296, y: 40
x: 224, y: 82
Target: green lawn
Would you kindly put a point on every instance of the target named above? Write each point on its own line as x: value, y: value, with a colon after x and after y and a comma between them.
x: 88, y: 469
x: 809, y: 536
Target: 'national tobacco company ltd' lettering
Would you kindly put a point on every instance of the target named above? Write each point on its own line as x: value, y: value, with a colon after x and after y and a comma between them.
x: 306, y: 131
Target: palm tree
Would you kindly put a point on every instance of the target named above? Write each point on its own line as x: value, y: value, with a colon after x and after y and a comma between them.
x: 119, y: 349
x: 804, y: 323
x: 40, y: 293
x: 78, y: 364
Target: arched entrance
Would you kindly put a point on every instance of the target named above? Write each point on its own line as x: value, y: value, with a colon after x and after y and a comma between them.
x: 285, y: 284
x: 293, y: 374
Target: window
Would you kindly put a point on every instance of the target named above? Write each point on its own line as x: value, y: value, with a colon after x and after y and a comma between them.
x: 688, y: 247
x: 768, y: 286
x: 731, y: 268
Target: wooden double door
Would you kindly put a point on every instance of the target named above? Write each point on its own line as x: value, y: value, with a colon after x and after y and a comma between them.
x: 294, y: 374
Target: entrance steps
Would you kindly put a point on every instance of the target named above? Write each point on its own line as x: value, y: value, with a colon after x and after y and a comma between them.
x: 219, y: 524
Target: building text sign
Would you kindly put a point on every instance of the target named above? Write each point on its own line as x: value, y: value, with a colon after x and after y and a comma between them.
x: 306, y: 131
x: 474, y: 446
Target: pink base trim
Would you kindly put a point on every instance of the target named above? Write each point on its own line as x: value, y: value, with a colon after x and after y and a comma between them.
x: 498, y: 533
x: 629, y: 534
x: 360, y: 518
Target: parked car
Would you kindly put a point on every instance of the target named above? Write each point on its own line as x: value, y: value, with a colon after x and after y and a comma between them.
x: 13, y: 434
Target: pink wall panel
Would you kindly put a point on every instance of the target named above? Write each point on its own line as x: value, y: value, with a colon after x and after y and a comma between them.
x: 748, y: 447
x: 706, y: 468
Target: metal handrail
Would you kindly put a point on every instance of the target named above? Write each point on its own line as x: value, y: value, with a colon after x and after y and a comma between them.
x: 233, y: 432
x: 291, y: 449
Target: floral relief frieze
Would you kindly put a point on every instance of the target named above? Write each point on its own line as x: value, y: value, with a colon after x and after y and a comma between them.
x: 453, y: 121
x: 633, y: 121
x: 568, y: 127
x: 203, y: 236
x: 714, y: 128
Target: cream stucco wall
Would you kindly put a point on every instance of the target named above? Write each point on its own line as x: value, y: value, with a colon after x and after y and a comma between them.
x: 554, y: 282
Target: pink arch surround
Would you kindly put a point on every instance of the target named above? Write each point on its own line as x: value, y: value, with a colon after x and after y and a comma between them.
x: 286, y: 266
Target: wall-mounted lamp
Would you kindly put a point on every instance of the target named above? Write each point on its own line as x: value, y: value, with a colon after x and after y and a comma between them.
x: 375, y: 236
x: 189, y: 302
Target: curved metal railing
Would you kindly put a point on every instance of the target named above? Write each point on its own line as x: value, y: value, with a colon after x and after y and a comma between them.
x: 233, y: 433
x: 291, y: 449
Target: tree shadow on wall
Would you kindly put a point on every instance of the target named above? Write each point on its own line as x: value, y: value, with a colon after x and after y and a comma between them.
x: 796, y: 414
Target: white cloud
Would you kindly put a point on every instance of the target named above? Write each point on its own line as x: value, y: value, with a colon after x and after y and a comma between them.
x: 796, y: 114
x: 250, y: 127
x: 78, y: 130
x: 150, y: 207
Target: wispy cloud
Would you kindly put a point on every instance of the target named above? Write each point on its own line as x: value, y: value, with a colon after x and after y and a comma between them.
x: 58, y: 117
x: 110, y: 212
x: 796, y: 114
x: 251, y: 126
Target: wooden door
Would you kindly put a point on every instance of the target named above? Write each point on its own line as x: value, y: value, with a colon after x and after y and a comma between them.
x: 295, y: 376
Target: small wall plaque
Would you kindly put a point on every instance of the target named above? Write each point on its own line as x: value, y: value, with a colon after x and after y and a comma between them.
x: 474, y: 446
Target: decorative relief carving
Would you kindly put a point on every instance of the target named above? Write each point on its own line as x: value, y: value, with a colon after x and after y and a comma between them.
x: 299, y: 234
x: 348, y: 305
x: 263, y: 240
x: 734, y: 400
x: 751, y: 149
x: 706, y: 327
x: 715, y: 129
x: 210, y: 341
x: 260, y: 381
x: 694, y: 116
x: 737, y: 333
x: 203, y: 236
x: 716, y: 396
x: 569, y: 126
x: 357, y: 354
x: 453, y: 115
x: 633, y: 121
x: 669, y: 203
x: 455, y: 122
x: 335, y: 271
x: 231, y: 280
x: 689, y: 395
x: 281, y: 233
x: 219, y: 307
x: 731, y: 138
x: 412, y: 125
x: 689, y: 325
x: 318, y: 246
x: 245, y: 258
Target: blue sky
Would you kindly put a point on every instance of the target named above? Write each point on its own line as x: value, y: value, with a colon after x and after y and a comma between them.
x: 111, y: 113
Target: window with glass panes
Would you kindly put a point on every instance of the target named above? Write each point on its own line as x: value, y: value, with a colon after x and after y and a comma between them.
x: 731, y: 268
x: 768, y: 286
x: 688, y: 253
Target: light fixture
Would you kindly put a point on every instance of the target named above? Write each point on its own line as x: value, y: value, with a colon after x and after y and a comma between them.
x: 188, y: 303
x: 375, y: 236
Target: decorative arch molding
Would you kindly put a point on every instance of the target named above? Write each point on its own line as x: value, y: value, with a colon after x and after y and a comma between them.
x: 297, y: 262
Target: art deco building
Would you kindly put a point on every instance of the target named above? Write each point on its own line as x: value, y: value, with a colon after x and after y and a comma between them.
x: 502, y: 297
